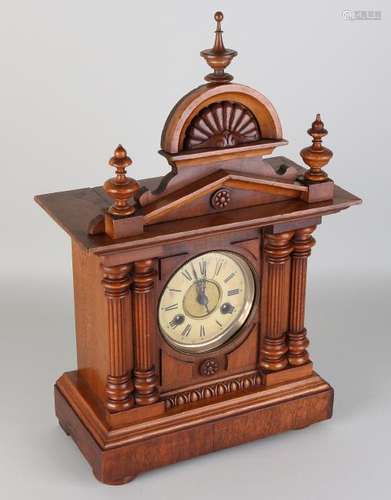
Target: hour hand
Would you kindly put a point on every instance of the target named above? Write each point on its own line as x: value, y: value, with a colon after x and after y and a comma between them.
x: 202, y: 298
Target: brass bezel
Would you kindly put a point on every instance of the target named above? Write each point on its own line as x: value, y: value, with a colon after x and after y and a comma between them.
x: 235, y: 326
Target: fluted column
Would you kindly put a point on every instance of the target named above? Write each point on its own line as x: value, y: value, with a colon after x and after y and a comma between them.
x: 277, y: 249
x: 116, y: 282
x: 297, y: 335
x: 145, y: 380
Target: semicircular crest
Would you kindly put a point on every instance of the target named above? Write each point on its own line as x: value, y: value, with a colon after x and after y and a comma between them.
x: 220, y: 125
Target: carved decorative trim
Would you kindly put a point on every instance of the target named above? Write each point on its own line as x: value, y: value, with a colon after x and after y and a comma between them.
x: 210, y: 391
x: 209, y: 367
x: 222, y: 124
x: 220, y: 198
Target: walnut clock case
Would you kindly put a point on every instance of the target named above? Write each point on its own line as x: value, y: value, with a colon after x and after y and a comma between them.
x: 190, y: 288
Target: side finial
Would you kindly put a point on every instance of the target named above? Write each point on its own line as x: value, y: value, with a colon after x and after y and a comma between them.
x: 121, y: 188
x: 218, y: 57
x: 316, y: 156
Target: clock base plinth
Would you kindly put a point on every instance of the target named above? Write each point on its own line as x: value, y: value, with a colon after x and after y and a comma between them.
x: 118, y: 455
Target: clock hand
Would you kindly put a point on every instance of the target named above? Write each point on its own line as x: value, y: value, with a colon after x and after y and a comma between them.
x: 202, y: 297
x: 203, y: 300
x: 198, y: 283
x: 195, y: 274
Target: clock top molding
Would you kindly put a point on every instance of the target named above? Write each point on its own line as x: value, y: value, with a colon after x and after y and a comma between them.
x: 216, y: 139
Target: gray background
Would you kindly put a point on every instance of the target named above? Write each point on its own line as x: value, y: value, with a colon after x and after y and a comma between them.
x: 79, y: 77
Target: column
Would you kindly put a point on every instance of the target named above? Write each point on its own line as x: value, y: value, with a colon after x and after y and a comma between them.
x: 277, y: 249
x: 116, y: 282
x: 145, y: 380
x: 297, y: 335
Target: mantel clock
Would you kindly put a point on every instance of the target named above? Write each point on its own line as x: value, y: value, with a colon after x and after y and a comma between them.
x: 190, y: 288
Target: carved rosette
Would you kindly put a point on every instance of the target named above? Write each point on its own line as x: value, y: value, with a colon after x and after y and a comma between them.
x: 209, y: 367
x: 277, y: 248
x: 116, y: 283
x: 297, y: 335
x: 220, y: 198
x: 145, y: 380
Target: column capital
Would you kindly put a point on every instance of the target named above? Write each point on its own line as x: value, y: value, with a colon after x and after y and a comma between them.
x: 143, y: 276
x: 116, y: 280
x: 278, y: 247
x: 303, y: 242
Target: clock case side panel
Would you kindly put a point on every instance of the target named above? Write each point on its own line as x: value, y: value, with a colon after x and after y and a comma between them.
x: 90, y: 320
x: 180, y: 371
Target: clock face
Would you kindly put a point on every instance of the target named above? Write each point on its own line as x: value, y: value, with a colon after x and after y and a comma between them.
x: 206, y: 301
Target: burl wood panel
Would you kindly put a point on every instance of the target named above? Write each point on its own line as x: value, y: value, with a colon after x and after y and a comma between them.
x: 178, y: 370
x: 244, y: 357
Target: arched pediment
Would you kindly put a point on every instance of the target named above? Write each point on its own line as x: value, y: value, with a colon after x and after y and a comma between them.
x: 243, y: 100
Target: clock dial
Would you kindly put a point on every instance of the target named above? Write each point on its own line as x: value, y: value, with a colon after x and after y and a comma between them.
x: 206, y: 301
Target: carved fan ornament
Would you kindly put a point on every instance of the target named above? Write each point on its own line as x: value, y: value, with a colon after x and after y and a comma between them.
x: 220, y: 125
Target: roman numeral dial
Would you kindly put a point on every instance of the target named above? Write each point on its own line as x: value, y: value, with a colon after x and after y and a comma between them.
x: 206, y: 301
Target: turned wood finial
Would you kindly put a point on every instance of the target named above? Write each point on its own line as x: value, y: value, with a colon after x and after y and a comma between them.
x: 316, y: 156
x: 121, y: 188
x: 218, y: 57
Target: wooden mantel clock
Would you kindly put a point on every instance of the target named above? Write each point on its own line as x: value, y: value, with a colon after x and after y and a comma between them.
x: 190, y: 288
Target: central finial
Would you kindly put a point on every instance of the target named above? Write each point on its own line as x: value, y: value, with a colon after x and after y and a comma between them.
x: 218, y: 57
